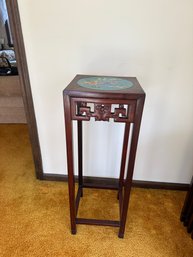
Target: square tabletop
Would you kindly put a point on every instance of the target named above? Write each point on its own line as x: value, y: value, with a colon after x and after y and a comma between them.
x: 96, y: 86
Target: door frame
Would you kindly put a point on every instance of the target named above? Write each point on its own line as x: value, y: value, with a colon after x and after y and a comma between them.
x: 19, y: 47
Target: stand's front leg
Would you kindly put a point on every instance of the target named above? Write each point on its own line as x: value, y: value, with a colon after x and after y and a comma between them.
x: 132, y: 154
x: 127, y: 187
x: 80, y: 179
x: 124, y: 158
x: 69, y: 148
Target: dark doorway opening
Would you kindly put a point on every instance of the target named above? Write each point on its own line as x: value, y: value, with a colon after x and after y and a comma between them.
x: 16, y: 39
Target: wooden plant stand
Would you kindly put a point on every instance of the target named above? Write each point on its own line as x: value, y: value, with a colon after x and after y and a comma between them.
x: 94, y: 97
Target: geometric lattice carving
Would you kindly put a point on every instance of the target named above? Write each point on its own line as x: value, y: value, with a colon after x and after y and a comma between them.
x: 102, y: 111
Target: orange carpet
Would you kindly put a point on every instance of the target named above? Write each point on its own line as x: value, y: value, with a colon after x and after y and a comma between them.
x: 34, y: 215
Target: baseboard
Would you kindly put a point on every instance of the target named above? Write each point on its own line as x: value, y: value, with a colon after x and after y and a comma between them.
x: 113, y: 181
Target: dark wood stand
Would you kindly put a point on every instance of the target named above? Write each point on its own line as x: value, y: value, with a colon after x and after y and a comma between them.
x: 81, y: 104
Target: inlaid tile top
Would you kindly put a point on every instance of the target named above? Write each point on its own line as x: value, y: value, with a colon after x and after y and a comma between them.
x: 105, y: 83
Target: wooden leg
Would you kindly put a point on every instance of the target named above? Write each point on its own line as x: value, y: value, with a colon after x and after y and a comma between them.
x: 185, y: 209
x: 69, y: 147
x: 190, y: 224
x: 189, y: 212
x: 80, y: 179
x: 127, y: 190
x: 123, y: 159
x: 128, y: 182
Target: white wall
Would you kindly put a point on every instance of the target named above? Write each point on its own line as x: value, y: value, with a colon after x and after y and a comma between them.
x: 152, y: 40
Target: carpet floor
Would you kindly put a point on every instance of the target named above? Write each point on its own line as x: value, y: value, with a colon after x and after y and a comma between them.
x: 34, y: 215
